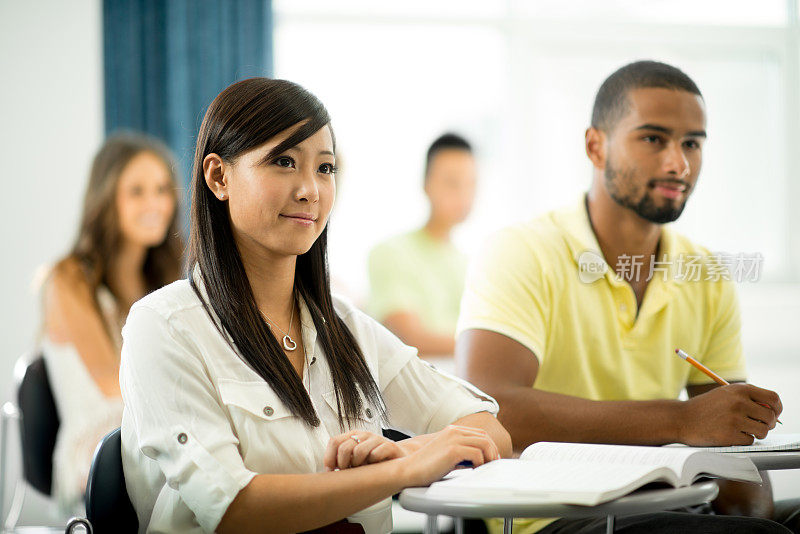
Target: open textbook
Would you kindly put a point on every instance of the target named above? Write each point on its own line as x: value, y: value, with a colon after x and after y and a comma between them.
x: 772, y: 443
x: 587, y: 474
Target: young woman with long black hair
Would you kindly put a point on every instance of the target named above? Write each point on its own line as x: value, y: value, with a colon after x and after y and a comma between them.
x: 254, y: 400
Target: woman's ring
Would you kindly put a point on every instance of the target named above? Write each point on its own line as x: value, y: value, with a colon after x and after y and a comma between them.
x: 355, y: 438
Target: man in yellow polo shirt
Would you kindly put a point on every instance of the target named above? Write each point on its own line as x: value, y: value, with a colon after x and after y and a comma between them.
x: 571, y: 320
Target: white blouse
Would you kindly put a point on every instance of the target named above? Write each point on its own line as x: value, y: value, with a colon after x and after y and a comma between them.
x: 199, y: 423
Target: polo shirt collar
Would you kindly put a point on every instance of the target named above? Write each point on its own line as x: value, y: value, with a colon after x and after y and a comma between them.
x: 581, y: 241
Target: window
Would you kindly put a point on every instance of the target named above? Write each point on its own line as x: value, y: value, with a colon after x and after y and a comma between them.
x: 518, y: 79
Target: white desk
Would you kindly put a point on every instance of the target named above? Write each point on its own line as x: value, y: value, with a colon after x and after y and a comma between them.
x: 773, y: 461
x: 639, y: 502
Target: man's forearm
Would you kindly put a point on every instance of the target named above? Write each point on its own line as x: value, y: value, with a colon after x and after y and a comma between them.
x: 532, y: 415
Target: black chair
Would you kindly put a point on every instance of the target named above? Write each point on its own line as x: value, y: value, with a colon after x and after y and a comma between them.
x: 39, y: 424
x: 108, y: 507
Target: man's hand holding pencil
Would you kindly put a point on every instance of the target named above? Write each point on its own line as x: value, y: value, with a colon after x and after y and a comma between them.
x: 732, y: 414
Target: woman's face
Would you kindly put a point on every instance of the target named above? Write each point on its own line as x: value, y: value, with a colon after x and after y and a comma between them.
x: 145, y: 200
x: 280, y: 205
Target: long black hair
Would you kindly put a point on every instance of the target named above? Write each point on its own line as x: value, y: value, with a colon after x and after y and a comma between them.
x: 246, y: 115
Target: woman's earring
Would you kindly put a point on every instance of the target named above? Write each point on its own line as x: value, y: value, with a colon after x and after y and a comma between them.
x: 222, y: 196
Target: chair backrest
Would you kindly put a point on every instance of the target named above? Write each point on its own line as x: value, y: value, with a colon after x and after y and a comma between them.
x: 38, y: 426
x: 108, y: 506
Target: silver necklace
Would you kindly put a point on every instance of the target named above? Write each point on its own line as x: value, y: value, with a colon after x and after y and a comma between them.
x: 288, y: 343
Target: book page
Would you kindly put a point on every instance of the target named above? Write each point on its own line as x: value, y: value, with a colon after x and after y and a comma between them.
x: 673, y: 458
x: 773, y: 442
x: 540, y: 481
x: 722, y: 465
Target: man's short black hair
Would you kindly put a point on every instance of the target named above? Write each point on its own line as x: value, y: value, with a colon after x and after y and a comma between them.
x: 445, y: 142
x: 612, y: 101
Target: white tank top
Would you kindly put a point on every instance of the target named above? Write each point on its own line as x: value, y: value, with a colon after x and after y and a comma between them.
x: 86, y: 413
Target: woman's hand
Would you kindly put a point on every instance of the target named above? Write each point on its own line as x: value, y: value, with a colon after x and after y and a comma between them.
x: 445, y: 450
x: 412, y: 445
x: 359, y: 447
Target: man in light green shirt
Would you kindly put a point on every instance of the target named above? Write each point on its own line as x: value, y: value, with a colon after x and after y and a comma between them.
x: 416, y: 279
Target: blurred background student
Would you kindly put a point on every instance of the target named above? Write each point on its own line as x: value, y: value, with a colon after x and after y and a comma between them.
x: 128, y: 245
x: 416, y: 279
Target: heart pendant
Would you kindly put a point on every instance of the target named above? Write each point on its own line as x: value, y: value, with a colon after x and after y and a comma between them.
x: 289, y: 343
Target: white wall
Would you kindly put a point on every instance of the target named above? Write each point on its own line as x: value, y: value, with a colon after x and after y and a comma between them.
x: 51, y: 122
x: 772, y: 346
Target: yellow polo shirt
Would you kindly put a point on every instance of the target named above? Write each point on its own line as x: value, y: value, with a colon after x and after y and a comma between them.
x: 546, y: 285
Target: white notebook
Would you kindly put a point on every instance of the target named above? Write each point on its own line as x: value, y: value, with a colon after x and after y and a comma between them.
x: 587, y: 474
x: 776, y: 442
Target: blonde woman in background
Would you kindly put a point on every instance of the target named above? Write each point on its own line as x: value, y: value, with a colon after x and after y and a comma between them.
x: 128, y: 245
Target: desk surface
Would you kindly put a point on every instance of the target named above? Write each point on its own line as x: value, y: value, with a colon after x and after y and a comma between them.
x: 771, y: 461
x: 639, y: 502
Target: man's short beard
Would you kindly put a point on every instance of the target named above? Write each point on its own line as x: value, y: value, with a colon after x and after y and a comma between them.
x: 645, y: 207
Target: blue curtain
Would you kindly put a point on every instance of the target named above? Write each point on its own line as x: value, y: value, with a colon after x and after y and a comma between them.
x: 166, y: 60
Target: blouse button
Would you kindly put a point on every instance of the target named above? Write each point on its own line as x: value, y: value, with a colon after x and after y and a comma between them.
x: 268, y: 411
x: 182, y: 438
x: 368, y: 413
